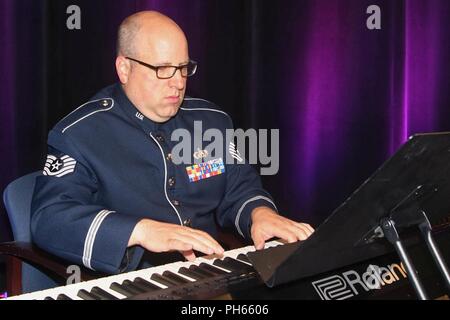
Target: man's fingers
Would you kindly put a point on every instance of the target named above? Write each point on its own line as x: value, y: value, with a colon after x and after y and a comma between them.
x: 287, y: 232
x: 195, y: 244
x: 189, y: 255
x: 207, y: 240
x: 164, y: 237
x: 178, y: 245
x: 259, y: 242
x: 309, y: 230
x: 301, y: 233
x: 301, y: 230
x: 267, y: 224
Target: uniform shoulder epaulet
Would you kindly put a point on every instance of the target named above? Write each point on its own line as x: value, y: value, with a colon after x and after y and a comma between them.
x: 83, y: 112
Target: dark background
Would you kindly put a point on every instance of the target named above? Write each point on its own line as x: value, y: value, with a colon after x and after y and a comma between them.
x: 343, y: 97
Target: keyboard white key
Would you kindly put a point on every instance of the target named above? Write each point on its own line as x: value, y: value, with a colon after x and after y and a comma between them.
x: 73, y: 290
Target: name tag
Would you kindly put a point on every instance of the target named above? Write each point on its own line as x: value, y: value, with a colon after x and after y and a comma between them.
x: 205, y: 170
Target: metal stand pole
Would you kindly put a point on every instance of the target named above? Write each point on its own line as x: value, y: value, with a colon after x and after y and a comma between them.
x: 391, y: 234
x: 425, y: 229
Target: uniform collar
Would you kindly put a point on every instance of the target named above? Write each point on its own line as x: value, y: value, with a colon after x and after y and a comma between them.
x: 128, y: 107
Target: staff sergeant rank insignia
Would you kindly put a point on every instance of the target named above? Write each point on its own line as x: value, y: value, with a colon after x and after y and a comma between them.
x: 205, y: 170
x: 59, y: 167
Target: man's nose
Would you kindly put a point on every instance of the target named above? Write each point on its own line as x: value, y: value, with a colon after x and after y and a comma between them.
x: 178, y: 81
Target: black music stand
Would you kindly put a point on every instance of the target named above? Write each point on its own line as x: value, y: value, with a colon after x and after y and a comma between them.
x: 412, y: 188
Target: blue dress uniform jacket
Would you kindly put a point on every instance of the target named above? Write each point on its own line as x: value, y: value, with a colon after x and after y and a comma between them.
x: 109, y: 167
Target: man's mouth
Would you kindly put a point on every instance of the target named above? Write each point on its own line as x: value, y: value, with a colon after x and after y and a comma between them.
x: 172, y: 99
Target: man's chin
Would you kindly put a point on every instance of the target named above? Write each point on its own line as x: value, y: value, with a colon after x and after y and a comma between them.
x: 170, y: 111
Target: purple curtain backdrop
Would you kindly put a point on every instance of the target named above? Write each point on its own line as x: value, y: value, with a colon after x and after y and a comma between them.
x: 7, y: 130
x: 359, y: 94
x: 344, y: 97
x: 7, y: 79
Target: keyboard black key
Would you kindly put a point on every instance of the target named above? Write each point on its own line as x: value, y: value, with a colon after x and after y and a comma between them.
x: 202, y: 271
x: 239, y: 264
x: 139, y: 287
x: 126, y: 291
x: 130, y: 285
x: 83, y: 294
x: 163, y: 280
x: 224, y: 265
x: 176, y: 278
x: 232, y: 264
x: 191, y: 273
x: 212, y: 269
x: 102, y: 294
x: 145, y: 284
x: 243, y: 257
x: 62, y: 296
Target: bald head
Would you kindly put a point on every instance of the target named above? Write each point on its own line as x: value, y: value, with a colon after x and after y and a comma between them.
x: 138, y: 31
x: 149, y: 40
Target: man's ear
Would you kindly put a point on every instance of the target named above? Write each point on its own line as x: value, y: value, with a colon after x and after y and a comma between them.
x: 123, y: 69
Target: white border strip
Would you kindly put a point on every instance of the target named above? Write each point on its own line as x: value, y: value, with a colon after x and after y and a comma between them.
x: 203, y: 109
x: 90, y: 114
x: 165, y: 179
x: 86, y: 104
x: 90, y: 237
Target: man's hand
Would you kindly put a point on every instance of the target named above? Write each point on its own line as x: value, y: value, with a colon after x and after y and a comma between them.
x: 267, y: 224
x: 163, y: 237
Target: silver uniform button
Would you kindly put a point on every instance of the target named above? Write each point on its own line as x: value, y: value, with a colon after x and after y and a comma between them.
x: 187, y: 223
x: 105, y: 103
x: 176, y: 202
x: 171, y: 181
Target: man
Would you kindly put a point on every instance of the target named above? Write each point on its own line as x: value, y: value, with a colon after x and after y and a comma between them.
x: 110, y: 188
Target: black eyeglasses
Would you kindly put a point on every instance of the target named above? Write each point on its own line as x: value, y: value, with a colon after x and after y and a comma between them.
x: 167, y: 72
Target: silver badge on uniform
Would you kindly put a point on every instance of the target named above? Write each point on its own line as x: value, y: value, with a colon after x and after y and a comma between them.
x: 200, y: 154
x: 59, y: 166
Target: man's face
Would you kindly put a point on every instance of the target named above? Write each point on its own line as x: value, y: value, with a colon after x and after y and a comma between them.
x: 158, y: 99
